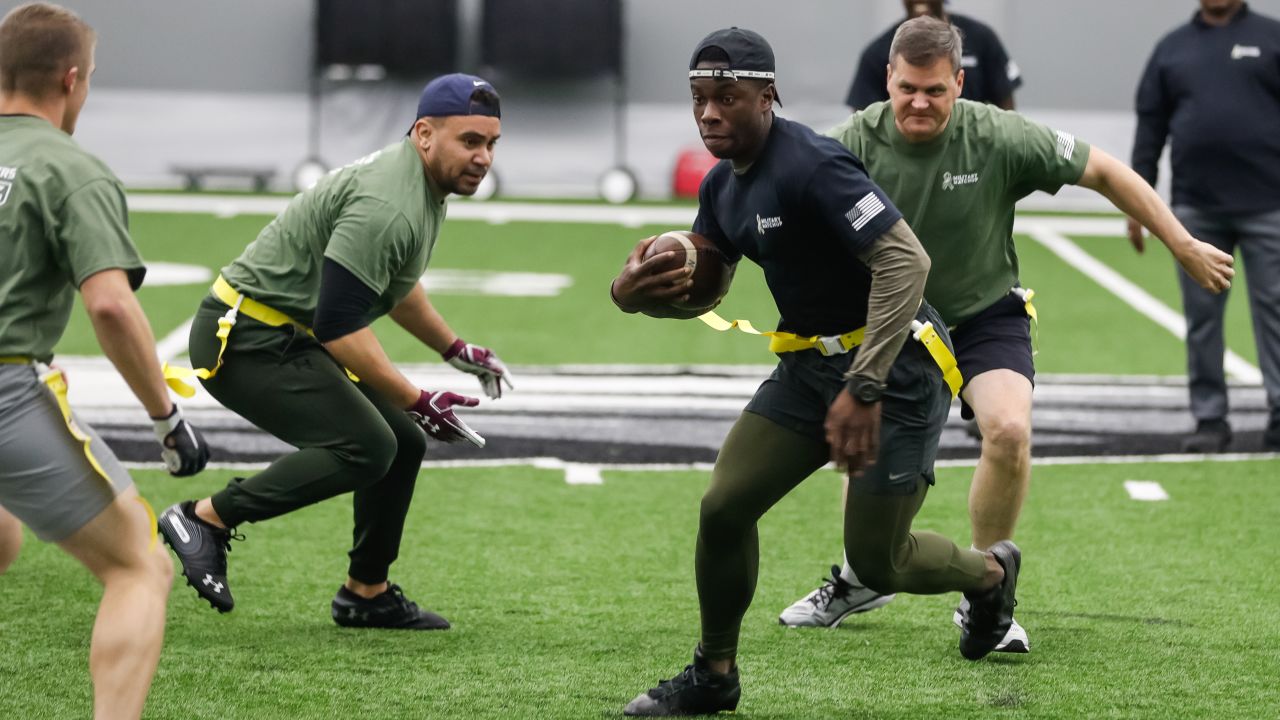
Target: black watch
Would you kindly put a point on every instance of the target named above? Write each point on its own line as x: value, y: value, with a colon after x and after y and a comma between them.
x: 865, y: 390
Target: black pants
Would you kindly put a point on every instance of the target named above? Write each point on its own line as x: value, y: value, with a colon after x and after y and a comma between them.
x: 349, y: 438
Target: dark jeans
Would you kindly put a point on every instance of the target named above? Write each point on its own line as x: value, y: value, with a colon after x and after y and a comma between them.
x: 1258, y: 239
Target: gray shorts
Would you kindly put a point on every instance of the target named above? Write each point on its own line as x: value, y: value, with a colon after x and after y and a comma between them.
x: 46, y: 480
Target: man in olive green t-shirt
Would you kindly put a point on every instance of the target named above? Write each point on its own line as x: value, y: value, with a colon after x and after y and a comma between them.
x: 302, y: 363
x: 63, y: 228
x: 956, y: 169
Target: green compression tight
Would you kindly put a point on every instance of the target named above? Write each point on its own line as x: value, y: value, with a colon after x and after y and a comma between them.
x: 760, y: 463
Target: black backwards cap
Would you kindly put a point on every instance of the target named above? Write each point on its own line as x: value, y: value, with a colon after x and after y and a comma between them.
x: 451, y: 95
x: 749, y: 55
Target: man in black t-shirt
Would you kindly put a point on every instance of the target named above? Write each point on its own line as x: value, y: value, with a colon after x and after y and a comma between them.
x: 848, y: 277
x: 990, y: 75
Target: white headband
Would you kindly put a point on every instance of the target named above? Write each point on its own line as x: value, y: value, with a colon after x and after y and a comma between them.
x: 730, y: 74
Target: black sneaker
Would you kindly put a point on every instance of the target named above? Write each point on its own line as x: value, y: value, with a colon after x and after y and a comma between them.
x: 991, y: 612
x: 391, y: 610
x: 1211, y: 436
x: 202, y: 550
x: 696, y: 691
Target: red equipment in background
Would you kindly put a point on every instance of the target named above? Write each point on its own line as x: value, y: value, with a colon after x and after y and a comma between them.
x: 692, y: 165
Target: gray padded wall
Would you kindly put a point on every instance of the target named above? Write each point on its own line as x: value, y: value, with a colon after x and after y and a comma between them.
x: 228, y: 45
x: 1079, y: 55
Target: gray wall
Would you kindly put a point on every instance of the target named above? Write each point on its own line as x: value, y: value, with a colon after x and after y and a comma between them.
x: 1078, y: 55
x: 197, y: 83
x: 189, y: 45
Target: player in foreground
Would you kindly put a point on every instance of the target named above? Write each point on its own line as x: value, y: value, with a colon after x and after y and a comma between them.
x: 64, y: 225
x: 956, y: 168
x: 841, y: 264
x: 298, y: 303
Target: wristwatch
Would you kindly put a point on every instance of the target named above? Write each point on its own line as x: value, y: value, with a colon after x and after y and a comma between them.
x: 865, y: 390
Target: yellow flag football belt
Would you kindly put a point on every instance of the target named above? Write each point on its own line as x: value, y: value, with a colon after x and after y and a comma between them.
x: 1025, y: 294
x: 57, y: 384
x: 14, y: 360
x: 781, y: 342
x: 179, y: 378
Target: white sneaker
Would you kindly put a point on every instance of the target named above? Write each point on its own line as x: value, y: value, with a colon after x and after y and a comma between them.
x: 1015, y: 641
x: 830, y: 604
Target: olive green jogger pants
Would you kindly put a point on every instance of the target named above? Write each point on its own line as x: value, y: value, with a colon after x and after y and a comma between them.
x: 349, y: 438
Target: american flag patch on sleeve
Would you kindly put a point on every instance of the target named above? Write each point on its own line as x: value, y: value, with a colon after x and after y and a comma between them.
x: 1066, y: 145
x: 866, y: 209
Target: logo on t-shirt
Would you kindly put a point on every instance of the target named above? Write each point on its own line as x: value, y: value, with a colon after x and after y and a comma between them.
x: 767, y: 223
x: 1244, y: 51
x: 951, y: 182
x: 865, y: 209
x: 1066, y: 144
x: 7, y: 175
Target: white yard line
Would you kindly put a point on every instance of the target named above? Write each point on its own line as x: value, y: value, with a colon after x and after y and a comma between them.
x: 1134, y: 296
x: 1146, y: 490
x: 494, y: 212
x: 175, y: 343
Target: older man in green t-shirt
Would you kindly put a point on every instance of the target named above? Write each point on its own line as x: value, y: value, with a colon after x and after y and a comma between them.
x: 284, y: 340
x: 956, y: 169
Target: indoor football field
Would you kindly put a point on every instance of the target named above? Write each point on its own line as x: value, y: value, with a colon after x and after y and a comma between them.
x: 563, y: 552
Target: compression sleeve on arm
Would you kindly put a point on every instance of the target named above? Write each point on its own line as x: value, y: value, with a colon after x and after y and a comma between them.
x: 344, y: 303
x: 899, y: 268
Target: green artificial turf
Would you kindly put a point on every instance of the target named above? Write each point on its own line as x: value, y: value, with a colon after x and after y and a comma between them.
x: 569, y: 600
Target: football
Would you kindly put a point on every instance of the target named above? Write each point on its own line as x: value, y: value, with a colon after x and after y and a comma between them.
x: 712, y: 271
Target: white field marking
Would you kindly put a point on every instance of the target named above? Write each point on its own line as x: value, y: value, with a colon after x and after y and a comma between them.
x: 581, y: 474
x: 1148, y: 490
x: 166, y: 273
x: 488, y: 282
x: 175, y: 343
x: 1136, y: 297
x: 493, y: 212
x: 557, y: 464
x: 574, y: 473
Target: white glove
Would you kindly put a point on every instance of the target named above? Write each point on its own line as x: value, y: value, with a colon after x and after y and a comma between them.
x: 182, y: 447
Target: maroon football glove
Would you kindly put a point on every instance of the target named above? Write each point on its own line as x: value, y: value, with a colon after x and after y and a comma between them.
x: 481, y: 362
x: 434, y: 413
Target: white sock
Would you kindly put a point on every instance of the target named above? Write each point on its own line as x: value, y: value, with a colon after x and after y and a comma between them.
x: 846, y: 574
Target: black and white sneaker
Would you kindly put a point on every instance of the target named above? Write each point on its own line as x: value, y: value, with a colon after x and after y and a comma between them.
x: 696, y: 691
x: 202, y: 549
x: 390, y: 610
x: 1015, y: 641
x: 991, y: 612
x: 831, y: 603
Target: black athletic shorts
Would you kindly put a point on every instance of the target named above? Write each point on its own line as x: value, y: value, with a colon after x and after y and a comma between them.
x: 912, y: 413
x: 997, y: 338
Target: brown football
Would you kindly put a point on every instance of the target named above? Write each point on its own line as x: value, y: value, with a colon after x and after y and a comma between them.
x: 712, y: 271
